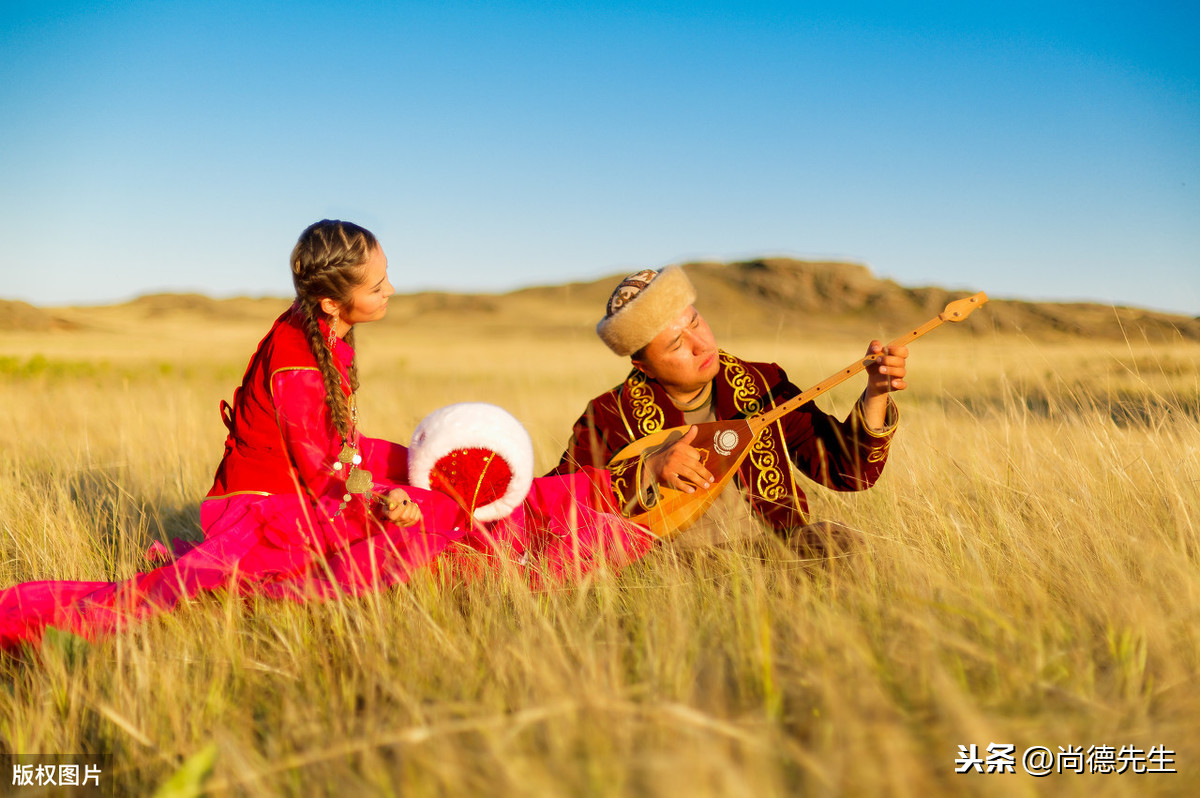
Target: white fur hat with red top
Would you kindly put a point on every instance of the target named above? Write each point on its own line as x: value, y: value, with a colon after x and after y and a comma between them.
x: 475, y: 452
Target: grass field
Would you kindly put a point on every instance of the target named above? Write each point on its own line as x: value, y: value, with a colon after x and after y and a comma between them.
x: 1031, y: 576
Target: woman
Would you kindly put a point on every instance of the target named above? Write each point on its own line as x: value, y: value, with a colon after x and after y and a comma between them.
x: 303, y: 505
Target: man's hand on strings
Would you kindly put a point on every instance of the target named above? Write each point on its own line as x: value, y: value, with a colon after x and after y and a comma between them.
x: 680, y: 465
x: 886, y: 374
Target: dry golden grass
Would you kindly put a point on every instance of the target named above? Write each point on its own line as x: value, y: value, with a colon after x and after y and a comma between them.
x: 1031, y: 576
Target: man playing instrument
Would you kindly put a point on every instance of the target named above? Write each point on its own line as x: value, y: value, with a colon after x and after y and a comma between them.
x: 680, y: 377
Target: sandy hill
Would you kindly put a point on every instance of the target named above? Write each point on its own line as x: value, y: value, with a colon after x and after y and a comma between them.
x: 16, y: 315
x: 764, y: 296
x: 784, y: 295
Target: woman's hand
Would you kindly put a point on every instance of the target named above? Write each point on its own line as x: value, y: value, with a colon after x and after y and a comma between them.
x: 402, y: 510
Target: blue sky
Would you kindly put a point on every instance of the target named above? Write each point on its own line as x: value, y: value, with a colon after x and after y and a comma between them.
x: 1036, y: 150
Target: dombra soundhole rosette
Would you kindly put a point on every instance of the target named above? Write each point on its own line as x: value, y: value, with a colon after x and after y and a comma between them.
x: 725, y: 441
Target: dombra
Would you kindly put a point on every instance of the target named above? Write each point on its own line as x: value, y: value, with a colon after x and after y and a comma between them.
x: 723, y: 445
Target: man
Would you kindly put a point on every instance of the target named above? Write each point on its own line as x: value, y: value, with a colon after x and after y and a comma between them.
x: 680, y: 377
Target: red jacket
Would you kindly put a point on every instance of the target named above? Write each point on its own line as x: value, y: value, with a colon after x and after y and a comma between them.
x: 281, y: 438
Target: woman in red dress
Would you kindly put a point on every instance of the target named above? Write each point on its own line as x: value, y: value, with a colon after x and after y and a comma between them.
x: 305, y: 506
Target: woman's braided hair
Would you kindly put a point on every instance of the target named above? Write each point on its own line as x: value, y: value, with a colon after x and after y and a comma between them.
x: 327, y: 262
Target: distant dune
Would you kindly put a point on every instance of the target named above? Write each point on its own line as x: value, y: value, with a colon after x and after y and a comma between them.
x: 784, y: 295
x: 769, y: 295
x: 15, y: 315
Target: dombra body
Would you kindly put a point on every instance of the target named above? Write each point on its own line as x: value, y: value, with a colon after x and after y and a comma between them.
x: 723, y: 445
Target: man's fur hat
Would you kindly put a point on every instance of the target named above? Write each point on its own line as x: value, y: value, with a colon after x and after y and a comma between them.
x: 642, y: 306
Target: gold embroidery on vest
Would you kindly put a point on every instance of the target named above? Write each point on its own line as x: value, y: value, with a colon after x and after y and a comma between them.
x: 646, y: 413
x: 764, y: 453
x: 879, y: 453
x: 779, y: 492
x: 745, y: 396
x: 629, y: 436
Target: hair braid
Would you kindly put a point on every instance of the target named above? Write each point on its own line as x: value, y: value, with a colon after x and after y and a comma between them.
x: 335, y: 397
x: 327, y: 264
x: 353, y: 363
